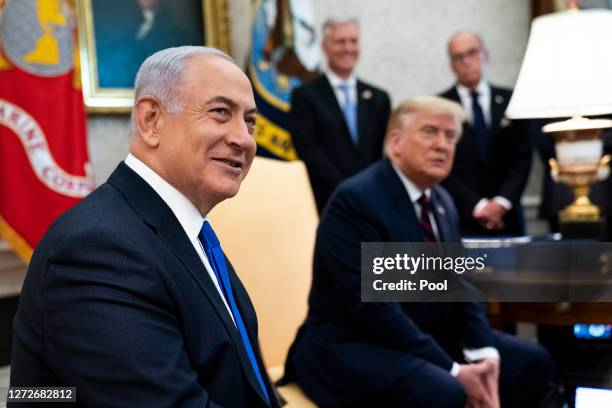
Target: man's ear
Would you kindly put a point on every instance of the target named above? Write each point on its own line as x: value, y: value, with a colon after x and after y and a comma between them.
x: 325, y: 46
x: 148, y: 113
x: 393, y: 142
x: 485, y: 55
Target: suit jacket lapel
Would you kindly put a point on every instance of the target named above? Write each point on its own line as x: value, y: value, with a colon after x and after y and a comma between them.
x: 406, y: 215
x: 329, y: 97
x: 453, y: 95
x: 174, y: 236
x: 440, y: 216
x: 154, y: 211
x: 363, y: 122
x: 241, y: 303
x: 498, y: 107
x: 468, y: 142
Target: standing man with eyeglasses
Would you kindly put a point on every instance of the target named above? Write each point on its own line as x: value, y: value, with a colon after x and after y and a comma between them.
x: 494, y: 156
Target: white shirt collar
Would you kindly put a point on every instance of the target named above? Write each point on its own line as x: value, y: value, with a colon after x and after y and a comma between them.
x: 335, y: 81
x: 185, y: 211
x: 413, y: 191
x: 484, y: 99
x: 483, y: 89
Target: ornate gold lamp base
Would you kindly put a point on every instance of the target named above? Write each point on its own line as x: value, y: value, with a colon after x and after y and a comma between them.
x: 581, y: 210
x: 580, y: 179
x: 579, y: 164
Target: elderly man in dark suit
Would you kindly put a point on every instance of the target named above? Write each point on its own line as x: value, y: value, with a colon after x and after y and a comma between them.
x: 337, y: 122
x: 494, y: 156
x: 353, y: 354
x: 129, y: 297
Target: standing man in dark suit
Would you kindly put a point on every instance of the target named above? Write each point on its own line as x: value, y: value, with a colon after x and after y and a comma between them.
x: 388, y: 354
x: 494, y: 156
x: 129, y: 297
x: 337, y: 122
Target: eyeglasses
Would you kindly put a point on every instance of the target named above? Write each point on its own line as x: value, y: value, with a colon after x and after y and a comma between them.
x: 470, y: 54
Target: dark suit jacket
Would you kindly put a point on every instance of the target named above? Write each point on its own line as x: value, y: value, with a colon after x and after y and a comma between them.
x: 504, y: 172
x: 347, y: 349
x: 322, y: 139
x: 117, y: 303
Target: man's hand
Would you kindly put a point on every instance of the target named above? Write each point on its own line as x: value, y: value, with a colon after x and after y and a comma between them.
x: 491, y: 215
x: 472, y: 377
x: 491, y: 379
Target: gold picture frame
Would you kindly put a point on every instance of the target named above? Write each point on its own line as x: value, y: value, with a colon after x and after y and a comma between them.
x: 114, y: 95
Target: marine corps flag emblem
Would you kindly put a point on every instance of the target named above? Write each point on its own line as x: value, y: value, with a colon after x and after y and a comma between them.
x: 44, y: 166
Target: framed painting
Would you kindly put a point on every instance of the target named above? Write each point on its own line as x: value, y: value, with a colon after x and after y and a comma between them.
x: 116, y: 36
x: 540, y: 7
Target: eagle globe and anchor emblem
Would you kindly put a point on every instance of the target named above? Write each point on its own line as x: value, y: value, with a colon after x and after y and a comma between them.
x: 37, y: 38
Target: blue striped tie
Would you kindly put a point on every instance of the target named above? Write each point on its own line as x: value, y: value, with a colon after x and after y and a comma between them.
x: 350, y: 114
x: 215, y: 255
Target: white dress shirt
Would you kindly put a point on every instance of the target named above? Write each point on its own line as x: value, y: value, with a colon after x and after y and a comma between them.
x: 415, y: 193
x: 484, y: 99
x: 186, y: 213
x: 336, y: 82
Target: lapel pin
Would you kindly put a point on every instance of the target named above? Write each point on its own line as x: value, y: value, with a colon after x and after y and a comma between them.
x: 499, y: 99
x: 441, y: 210
x: 367, y: 94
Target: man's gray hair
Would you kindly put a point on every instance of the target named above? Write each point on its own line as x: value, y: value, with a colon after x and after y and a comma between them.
x: 458, y: 33
x: 162, y: 76
x: 427, y: 104
x: 330, y: 22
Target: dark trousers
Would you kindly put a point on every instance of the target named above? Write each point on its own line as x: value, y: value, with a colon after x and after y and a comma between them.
x: 526, y: 378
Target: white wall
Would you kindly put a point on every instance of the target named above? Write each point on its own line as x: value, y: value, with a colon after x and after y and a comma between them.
x: 403, y: 51
x: 404, y: 41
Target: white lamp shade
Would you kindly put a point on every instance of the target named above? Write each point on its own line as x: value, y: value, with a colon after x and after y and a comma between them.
x: 567, y: 69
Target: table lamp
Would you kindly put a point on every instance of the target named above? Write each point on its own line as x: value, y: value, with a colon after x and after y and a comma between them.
x: 567, y: 73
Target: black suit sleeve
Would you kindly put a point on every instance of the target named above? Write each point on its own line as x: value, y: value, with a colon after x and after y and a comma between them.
x: 301, y: 125
x: 519, y: 156
x: 338, y: 257
x: 385, y: 113
x: 475, y: 330
x: 111, y: 330
x: 465, y: 197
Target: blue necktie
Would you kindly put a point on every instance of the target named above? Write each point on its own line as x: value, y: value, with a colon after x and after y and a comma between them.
x: 480, y: 126
x: 215, y: 255
x: 350, y: 114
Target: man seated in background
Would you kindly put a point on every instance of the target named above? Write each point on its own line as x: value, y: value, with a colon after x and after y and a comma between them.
x: 337, y: 122
x: 350, y: 354
x: 494, y: 155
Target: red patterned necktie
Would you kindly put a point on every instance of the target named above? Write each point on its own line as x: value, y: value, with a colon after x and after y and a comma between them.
x: 425, y: 221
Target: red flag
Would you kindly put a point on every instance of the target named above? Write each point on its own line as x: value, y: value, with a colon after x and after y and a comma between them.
x: 44, y: 166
